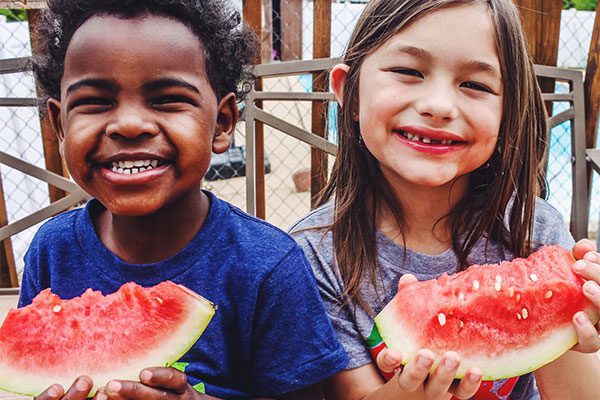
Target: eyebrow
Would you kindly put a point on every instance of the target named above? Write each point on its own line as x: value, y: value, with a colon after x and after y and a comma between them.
x: 164, y: 83
x: 92, y: 83
x: 473, y: 65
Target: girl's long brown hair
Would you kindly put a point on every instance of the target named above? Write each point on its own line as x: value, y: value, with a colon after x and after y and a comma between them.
x: 514, y: 169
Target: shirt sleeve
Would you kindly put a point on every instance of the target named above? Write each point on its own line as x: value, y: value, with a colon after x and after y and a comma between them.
x: 29, y: 284
x: 331, y: 288
x: 294, y: 345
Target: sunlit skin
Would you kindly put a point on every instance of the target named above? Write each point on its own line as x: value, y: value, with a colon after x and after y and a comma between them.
x: 148, y: 101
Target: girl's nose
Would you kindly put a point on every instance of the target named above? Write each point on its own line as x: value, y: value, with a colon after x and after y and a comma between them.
x: 131, y: 124
x: 439, y: 103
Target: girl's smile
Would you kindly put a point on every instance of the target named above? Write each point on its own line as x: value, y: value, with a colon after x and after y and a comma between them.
x: 429, y: 141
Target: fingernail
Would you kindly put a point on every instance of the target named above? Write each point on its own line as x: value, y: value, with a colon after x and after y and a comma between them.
x: 592, y: 288
x: 53, y: 391
x: 591, y: 256
x: 81, y: 385
x: 146, y: 375
x: 113, y: 386
x: 424, y: 362
x: 474, y: 378
x: 581, y: 318
x: 580, y: 265
x: 450, y: 364
x: 101, y: 396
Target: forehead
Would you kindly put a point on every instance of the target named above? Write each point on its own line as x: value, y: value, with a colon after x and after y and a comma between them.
x: 465, y: 31
x: 146, y: 45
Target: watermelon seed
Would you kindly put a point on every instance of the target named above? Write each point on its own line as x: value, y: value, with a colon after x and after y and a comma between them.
x: 442, y: 319
x: 461, y: 296
x: 518, y: 297
x: 533, y: 277
x: 519, y: 316
x: 548, y: 294
x: 159, y: 300
x: 498, y: 286
x: 524, y: 313
x: 56, y: 309
x: 476, y: 285
x: 511, y: 291
x: 461, y: 324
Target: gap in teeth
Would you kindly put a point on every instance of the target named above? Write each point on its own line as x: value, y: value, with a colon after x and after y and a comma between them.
x: 422, y: 139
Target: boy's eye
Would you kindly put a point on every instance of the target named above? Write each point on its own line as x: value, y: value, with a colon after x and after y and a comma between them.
x: 172, y: 99
x: 476, y: 86
x: 91, y: 101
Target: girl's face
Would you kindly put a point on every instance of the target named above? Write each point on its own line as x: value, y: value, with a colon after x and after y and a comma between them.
x: 430, y: 98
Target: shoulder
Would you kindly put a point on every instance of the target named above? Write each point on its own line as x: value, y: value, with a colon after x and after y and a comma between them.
x: 312, y: 233
x: 319, y: 218
x: 59, y: 227
x: 549, y: 226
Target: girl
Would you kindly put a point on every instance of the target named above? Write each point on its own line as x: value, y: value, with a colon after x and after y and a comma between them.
x: 441, y: 134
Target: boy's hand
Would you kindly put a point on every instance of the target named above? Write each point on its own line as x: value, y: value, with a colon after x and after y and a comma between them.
x: 588, y: 267
x: 79, y: 390
x: 156, y: 383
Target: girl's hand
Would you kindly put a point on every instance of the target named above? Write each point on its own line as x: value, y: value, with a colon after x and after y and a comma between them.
x: 439, y: 384
x: 79, y: 390
x: 156, y: 383
x: 588, y: 267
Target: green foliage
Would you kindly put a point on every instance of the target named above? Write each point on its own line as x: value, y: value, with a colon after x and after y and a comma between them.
x: 587, y: 5
x: 13, y: 15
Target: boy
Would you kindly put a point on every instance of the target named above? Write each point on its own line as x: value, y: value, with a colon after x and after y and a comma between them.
x: 140, y: 93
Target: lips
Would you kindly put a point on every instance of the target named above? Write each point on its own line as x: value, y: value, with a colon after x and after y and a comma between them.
x: 428, y: 136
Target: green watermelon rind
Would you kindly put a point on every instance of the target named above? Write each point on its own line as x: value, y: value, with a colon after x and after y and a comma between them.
x: 200, y: 313
x: 509, y: 364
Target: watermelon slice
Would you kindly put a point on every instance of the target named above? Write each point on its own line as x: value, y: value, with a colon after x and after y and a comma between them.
x: 105, y: 337
x: 506, y: 319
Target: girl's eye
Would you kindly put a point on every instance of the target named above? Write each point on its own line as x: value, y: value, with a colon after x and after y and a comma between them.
x: 408, y: 72
x: 476, y: 86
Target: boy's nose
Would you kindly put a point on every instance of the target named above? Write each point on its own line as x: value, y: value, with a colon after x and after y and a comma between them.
x: 130, y: 125
x: 438, y: 103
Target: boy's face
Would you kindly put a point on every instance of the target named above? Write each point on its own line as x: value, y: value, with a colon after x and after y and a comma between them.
x: 138, y: 118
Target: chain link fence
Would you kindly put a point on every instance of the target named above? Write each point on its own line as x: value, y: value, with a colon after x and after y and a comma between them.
x: 287, y: 35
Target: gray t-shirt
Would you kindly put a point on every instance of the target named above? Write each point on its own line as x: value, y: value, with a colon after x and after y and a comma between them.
x: 354, y: 325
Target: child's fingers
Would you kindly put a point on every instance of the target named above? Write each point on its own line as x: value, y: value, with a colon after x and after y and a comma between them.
x: 582, y: 247
x: 406, y: 278
x: 589, y: 341
x: 167, y: 378
x: 54, y: 392
x: 587, y: 268
x: 415, y: 372
x: 467, y: 386
x: 389, y: 359
x: 440, y: 380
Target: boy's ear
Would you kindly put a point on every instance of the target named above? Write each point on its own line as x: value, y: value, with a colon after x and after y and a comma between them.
x: 227, y: 117
x: 56, y: 121
x: 337, y: 77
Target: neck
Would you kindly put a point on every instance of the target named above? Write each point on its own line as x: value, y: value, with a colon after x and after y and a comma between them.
x: 424, y: 211
x: 155, y: 237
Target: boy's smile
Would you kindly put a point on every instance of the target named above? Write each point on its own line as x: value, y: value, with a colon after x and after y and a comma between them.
x: 138, y: 117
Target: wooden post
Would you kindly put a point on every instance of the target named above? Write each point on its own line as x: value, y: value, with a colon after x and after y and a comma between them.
x: 321, y: 49
x: 253, y: 16
x: 50, y: 142
x: 541, y: 22
x: 8, y: 270
x: 291, y: 30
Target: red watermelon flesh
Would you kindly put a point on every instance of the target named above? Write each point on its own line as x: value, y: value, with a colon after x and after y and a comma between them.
x: 506, y: 319
x: 105, y: 337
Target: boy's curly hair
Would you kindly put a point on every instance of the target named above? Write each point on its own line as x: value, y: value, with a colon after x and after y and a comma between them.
x: 230, y: 47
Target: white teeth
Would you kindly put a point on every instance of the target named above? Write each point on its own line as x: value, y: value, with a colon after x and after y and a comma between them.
x: 133, y: 167
x: 426, y: 140
x: 417, y: 138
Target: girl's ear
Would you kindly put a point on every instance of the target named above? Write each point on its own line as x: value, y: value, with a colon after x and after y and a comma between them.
x: 337, y: 77
x: 227, y: 116
x: 55, y: 117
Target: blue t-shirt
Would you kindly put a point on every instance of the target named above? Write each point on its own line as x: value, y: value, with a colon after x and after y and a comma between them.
x: 270, y: 334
